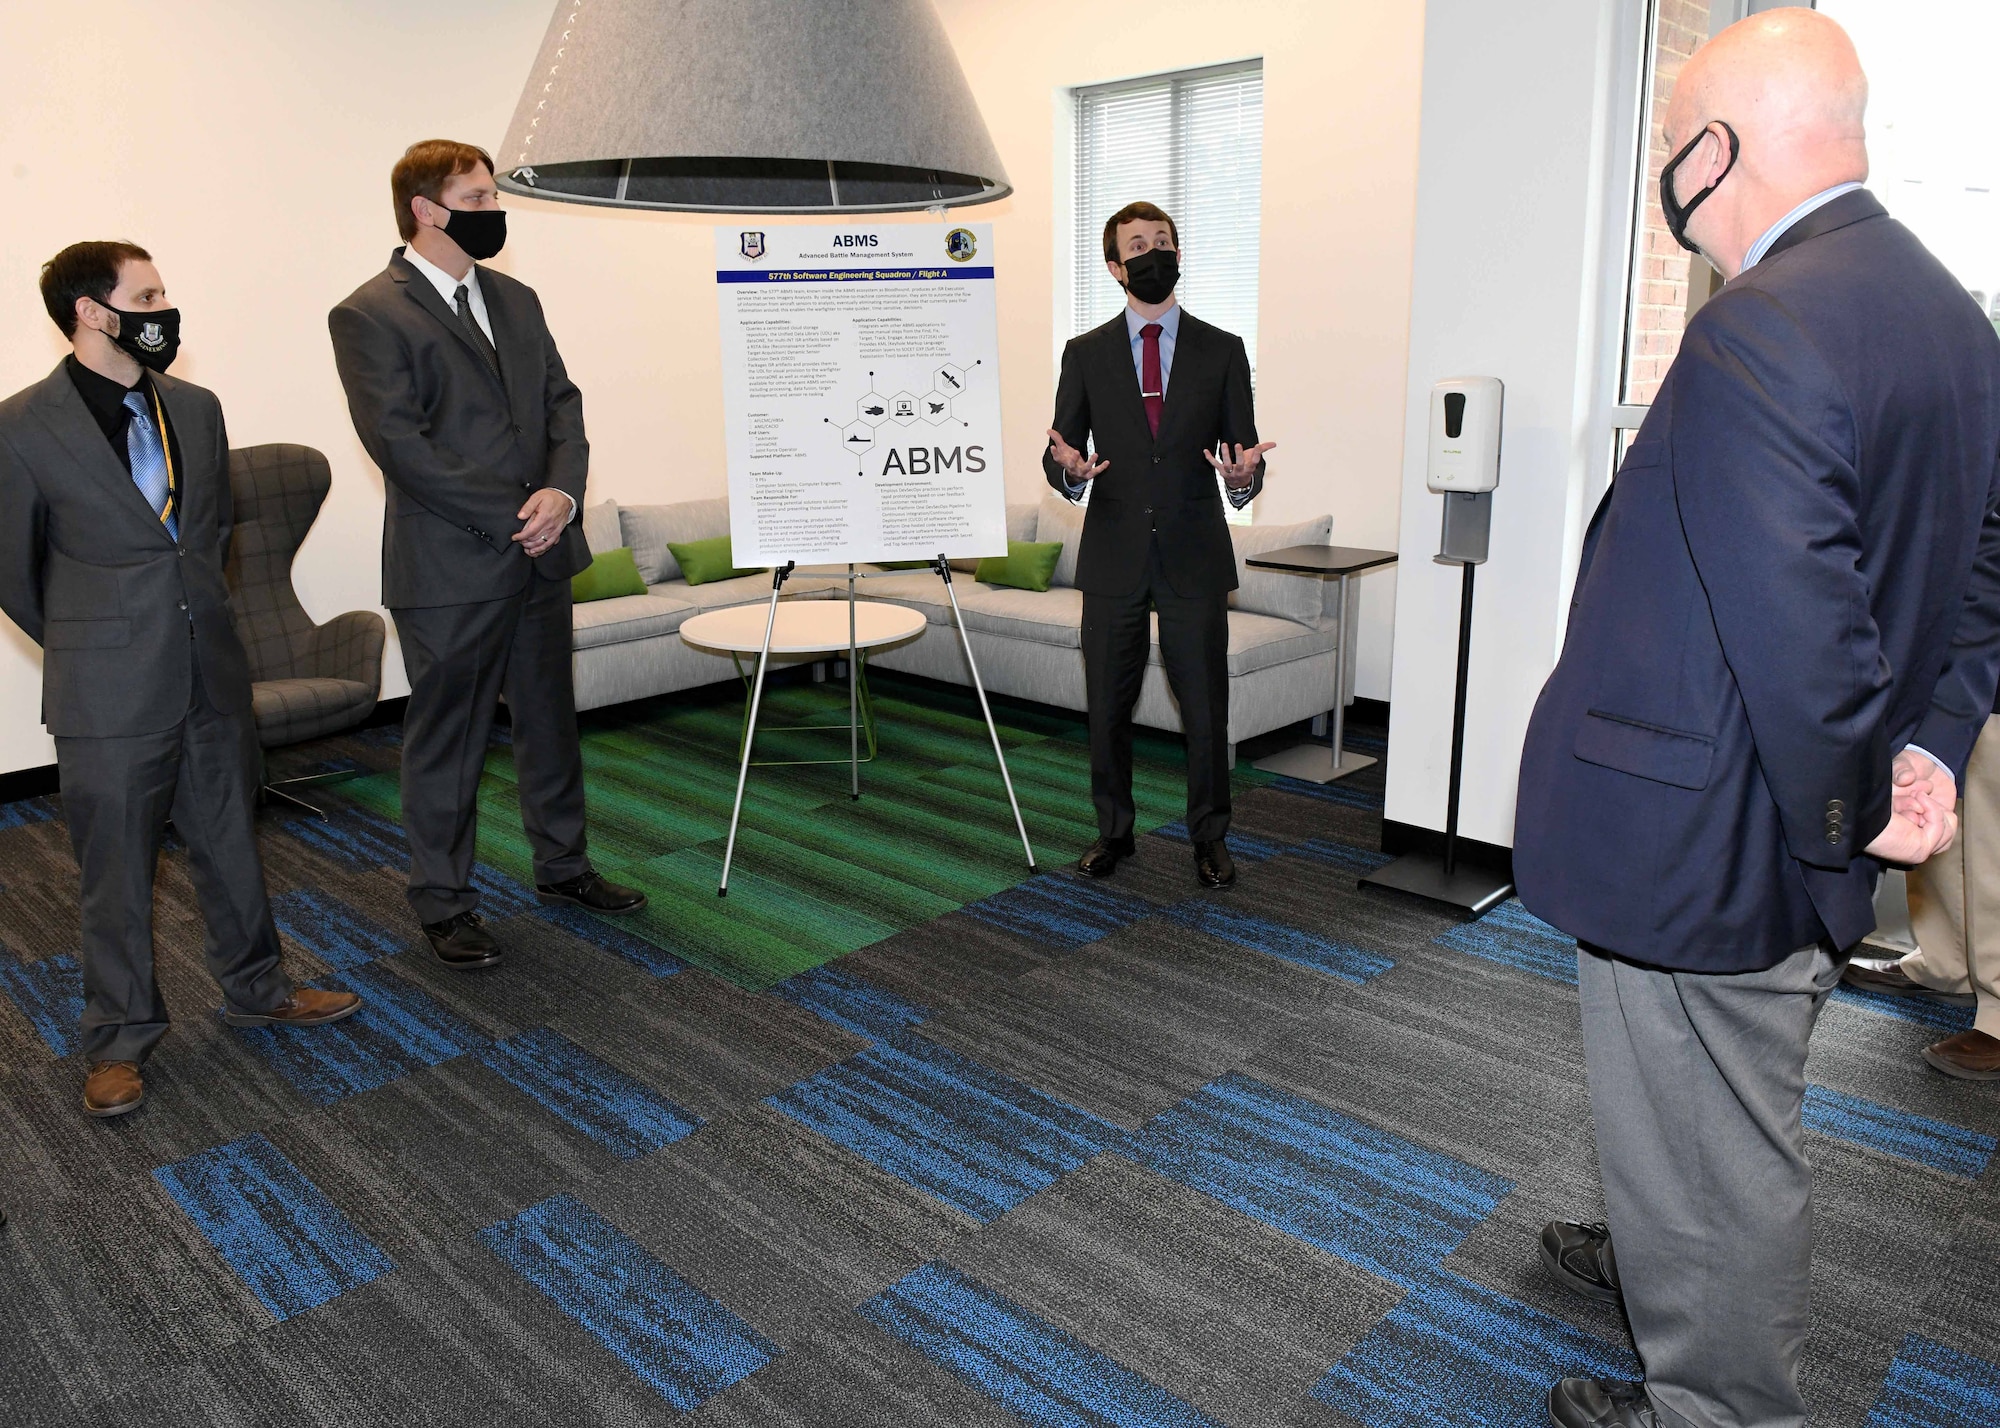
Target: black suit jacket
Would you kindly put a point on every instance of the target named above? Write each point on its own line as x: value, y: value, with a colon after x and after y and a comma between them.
x: 459, y: 448
x: 1796, y: 572
x: 1164, y: 484
x: 90, y: 573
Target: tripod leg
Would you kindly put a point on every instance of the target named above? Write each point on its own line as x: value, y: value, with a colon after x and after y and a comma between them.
x: 979, y: 687
x: 750, y: 729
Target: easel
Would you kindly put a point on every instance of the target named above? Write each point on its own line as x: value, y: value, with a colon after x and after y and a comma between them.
x: 778, y: 578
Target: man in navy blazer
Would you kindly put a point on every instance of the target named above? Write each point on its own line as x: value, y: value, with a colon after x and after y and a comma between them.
x: 1784, y: 638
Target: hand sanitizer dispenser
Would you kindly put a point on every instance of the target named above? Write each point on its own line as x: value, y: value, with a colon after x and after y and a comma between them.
x: 1464, y: 462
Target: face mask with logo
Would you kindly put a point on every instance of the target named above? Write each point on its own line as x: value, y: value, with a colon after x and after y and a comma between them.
x: 152, y: 338
x: 1672, y: 209
x: 479, y: 232
x: 1150, y: 276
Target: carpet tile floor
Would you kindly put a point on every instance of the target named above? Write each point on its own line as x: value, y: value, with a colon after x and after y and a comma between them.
x: 897, y: 1134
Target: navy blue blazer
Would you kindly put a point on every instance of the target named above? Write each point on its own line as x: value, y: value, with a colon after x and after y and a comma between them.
x: 1795, y: 573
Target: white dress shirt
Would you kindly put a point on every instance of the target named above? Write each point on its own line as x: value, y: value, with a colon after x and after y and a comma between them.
x: 447, y: 287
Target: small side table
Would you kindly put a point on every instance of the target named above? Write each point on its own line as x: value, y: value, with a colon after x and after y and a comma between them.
x: 1312, y: 761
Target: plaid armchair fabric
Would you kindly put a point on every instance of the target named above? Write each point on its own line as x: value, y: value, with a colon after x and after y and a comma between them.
x: 307, y: 680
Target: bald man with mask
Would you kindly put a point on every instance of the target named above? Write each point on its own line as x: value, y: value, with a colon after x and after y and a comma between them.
x: 1785, y: 637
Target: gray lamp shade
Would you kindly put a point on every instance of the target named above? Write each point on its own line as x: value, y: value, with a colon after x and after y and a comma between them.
x: 750, y: 106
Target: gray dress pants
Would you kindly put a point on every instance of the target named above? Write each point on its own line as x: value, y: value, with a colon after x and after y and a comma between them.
x: 117, y: 794
x: 1696, y: 1087
x: 461, y: 659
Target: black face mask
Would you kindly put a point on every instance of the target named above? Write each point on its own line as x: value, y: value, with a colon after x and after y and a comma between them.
x: 1150, y: 276
x: 1676, y: 212
x: 479, y: 232
x: 152, y: 338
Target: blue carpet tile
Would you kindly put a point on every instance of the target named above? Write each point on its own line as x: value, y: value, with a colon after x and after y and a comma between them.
x: 331, y: 930
x: 1921, y: 1010
x: 288, y: 1243
x: 399, y: 1029
x: 624, y: 1117
x: 850, y: 1003
x: 1377, y: 1200
x: 1345, y: 856
x: 976, y: 1139
x: 49, y: 993
x: 681, y: 1342
x: 1340, y: 791
x: 1459, y: 1353
x: 1902, y: 1133
x: 1322, y: 954
x: 356, y: 840
x: 1931, y: 1386
x: 1060, y: 909
x: 1045, y: 1376
x: 1243, y: 847
x: 1512, y: 935
x: 615, y: 940
x: 24, y: 811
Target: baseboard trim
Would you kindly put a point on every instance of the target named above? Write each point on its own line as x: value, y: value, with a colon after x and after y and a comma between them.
x: 1400, y: 838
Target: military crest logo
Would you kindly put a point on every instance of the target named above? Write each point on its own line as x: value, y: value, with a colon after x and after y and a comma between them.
x: 753, y: 246
x: 960, y: 245
x: 151, y: 337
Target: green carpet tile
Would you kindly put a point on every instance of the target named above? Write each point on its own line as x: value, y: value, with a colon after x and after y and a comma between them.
x: 817, y: 873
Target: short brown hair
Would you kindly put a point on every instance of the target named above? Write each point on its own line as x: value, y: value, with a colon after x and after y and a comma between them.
x: 1135, y: 213
x: 423, y: 169
x: 84, y: 270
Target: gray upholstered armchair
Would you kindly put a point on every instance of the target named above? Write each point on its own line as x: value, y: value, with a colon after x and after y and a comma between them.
x: 307, y: 680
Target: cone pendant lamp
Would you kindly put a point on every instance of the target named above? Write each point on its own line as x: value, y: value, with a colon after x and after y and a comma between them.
x: 750, y: 106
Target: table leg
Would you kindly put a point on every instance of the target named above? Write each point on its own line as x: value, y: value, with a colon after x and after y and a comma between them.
x: 1314, y: 762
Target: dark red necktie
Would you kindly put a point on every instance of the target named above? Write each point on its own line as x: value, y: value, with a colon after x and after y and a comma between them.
x: 1150, y: 386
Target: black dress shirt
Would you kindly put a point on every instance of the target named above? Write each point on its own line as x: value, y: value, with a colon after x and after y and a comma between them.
x: 106, y: 400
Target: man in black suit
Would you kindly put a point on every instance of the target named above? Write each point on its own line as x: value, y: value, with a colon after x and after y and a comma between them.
x: 114, y: 480
x: 1791, y: 592
x: 1159, y: 393
x: 459, y: 395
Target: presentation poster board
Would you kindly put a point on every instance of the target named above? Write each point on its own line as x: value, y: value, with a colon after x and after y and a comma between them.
x: 861, y: 387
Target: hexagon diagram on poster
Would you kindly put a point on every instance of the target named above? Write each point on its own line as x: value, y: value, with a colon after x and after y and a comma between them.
x: 861, y: 392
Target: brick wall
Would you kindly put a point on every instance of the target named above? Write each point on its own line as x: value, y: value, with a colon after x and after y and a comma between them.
x: 1660, y: 279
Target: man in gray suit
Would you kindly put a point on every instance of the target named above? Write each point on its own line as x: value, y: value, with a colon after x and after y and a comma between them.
x: 115, y: 483
x: 459, y: 395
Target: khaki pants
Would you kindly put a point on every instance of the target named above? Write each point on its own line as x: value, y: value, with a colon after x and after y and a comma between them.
x: 1955, y: 897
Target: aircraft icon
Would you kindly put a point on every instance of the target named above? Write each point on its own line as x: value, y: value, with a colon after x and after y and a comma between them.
x: 936, y: 407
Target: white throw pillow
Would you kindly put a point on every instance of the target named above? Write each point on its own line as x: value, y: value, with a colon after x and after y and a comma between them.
x: 1280, y: 592
x: 647, y: 530
x: 1058, y: 519
x: 600, y: 527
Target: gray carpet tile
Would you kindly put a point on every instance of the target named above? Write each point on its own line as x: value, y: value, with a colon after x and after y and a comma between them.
x: 850, y: 1374
x: 1233, y: 1316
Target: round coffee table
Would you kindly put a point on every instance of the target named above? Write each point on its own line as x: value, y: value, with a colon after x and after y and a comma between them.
x: 810, y: 627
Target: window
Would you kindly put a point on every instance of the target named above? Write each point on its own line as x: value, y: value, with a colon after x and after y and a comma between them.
x: 1193, y: 143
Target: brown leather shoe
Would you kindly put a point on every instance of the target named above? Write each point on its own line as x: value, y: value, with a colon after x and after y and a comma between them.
x: 112, y: 1088
x: 1970, y: 1056
x: 306, y: 1006
x: 1885, y: 977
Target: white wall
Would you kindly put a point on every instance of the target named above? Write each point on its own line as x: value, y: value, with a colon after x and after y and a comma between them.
x: 248, y: 146
x: 1523, y: 192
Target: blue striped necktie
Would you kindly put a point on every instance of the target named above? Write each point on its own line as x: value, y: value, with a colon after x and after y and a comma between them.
x: 146, y: 445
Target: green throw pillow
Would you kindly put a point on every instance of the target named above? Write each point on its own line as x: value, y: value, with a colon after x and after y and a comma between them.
x: 704, y: 560
x: 1027, y: 565
x: 611, y: 573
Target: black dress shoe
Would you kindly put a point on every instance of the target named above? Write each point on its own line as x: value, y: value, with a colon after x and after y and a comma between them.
x: 589, y: 890
x: 1885, y: 976
x: 1101, y: 859
x: 462, y: 942
x: 1213, y: 866
x: 1580, y: 1258
x: 1597, y: 1403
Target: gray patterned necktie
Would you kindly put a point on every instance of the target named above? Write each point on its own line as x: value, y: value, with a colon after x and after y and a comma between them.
x: 475, y: 331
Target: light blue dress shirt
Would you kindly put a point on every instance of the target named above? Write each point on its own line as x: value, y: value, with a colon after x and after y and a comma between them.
x: 1170, y: 331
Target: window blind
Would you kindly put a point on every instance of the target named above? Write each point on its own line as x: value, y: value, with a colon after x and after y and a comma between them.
x: 1193, y: 143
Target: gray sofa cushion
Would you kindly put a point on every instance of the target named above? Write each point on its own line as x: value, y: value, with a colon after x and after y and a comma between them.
x: 1047, y: 617
x: 629, y: 617
x: 647, y: 529
x: 1058, y: 519
x: 1261, y: 641
x: 601, y: 528
x: 1279, y: 592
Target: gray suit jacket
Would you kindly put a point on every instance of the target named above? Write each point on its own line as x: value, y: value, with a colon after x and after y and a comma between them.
x: 90, y: 573
x: 459, y: 448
